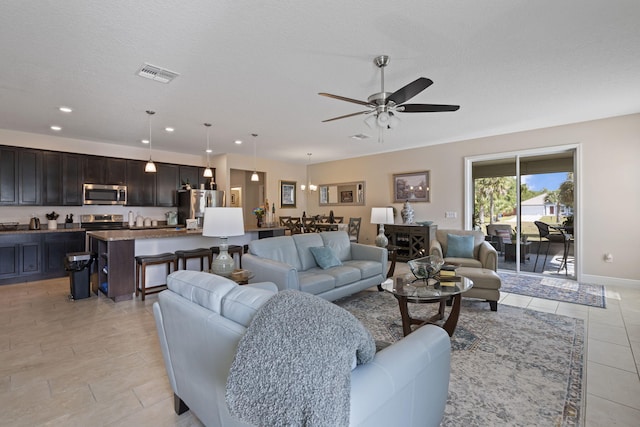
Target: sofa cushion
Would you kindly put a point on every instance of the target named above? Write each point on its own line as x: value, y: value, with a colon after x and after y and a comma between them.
x: 367, y: 268
x: 459, y: 246
x: 315, y: 281
x: 219, y: 294
x: 282, y: 249
x: 344, y: 275
x: 303, y: 242
x: 324, y: 256
x: 339, y: 242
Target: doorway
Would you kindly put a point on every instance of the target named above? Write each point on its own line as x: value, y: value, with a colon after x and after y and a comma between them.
x: 246, y: 193
x: 526, y: 205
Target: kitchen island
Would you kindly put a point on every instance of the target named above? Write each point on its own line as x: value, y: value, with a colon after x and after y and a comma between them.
x: 116, y: 251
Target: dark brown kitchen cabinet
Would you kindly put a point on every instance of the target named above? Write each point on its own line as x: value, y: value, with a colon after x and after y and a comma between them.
x: 8, y: 176
x: 141, y: 186
x: 55, y: 247
x: 52, y: 178
x: 105, y: 170
x: 29, y: 177
x: 20, y: 257
x: 189, y: 174
x: 167, y: 176
x: 72, y: 179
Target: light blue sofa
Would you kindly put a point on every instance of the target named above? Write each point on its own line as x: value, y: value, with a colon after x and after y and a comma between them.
x: 288, y: 262
x: 201, y: 318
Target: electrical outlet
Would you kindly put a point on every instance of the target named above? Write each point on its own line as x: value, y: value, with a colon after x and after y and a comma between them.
x: 608, y: 257
x: 449, y: 214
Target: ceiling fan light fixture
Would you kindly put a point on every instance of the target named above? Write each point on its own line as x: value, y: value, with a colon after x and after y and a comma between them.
x: 371, y: 121
x: 394, y: 121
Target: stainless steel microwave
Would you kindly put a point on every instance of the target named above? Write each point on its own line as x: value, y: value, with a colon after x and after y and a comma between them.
x: 99, y: 194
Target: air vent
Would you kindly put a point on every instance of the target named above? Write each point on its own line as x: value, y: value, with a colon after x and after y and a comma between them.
x: 360, y: 136
x: 158, y: 74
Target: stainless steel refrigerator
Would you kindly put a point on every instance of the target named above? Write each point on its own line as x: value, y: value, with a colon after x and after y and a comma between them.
x: 191, y: 204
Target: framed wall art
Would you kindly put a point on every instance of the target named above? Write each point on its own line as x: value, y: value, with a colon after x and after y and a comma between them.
x: 287, y: 194
x: 414, y: 187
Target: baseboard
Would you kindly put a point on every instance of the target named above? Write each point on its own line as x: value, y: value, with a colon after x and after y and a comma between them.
x: 611, y: 281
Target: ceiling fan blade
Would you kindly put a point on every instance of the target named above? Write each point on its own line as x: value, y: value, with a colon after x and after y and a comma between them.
x: 409, y: 91
x: 426, y: 108
x: 345, y: 116
x: 342, y: 98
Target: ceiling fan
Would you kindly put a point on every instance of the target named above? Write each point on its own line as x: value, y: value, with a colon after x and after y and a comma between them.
x: 383, y: 106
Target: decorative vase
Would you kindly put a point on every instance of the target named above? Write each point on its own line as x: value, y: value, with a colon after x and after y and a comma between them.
x: 259, y: 218
x: 407, y: 213
x: 52, y: 224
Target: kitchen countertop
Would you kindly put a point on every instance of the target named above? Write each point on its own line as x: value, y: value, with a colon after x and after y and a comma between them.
x: 157, y: 233
x: 25, y: 230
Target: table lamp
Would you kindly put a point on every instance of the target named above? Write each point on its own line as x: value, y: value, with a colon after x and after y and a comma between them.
x: 222, y: 223
x: 382, y: 216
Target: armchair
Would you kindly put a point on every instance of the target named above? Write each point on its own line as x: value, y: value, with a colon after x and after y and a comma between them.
x: 480, y: 266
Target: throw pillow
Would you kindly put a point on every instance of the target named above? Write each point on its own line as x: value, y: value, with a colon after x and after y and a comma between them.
x: 459, y: 246
x: 324, y: 256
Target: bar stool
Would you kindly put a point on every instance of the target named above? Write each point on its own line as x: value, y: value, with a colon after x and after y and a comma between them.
x: 200, y: 253
x: 233, y: 249
x: 143, y: 261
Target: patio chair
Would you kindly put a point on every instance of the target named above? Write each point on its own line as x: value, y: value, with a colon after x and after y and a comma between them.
x: 549, y: 234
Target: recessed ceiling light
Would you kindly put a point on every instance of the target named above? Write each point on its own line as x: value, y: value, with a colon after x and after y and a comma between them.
x: 56, y: 128
x: 209, y: 150
x: 144, y: 141
x: 237, y: 141
x: 169, y: 129
x: 65, y: 109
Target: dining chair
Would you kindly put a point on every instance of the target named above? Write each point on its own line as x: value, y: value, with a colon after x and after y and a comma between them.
x: 354, y: 229
x: 309, y: 225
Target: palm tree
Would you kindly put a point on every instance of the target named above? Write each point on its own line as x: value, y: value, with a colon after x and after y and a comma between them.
x: 487, y: 193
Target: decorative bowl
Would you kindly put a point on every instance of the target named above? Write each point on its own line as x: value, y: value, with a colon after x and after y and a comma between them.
x: 426, y: 267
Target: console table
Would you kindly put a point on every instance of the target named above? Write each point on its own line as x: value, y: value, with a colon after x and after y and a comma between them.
x: 411, y: 240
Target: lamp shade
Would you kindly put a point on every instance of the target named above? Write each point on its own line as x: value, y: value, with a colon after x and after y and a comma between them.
x: 382, y: 216
x: 223, y: 222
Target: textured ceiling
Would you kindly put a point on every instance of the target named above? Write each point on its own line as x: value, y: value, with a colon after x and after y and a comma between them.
x: 256, y: 67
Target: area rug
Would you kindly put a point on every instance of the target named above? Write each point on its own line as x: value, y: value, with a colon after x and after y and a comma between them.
x: 515, y: 367
x: 556, y: 289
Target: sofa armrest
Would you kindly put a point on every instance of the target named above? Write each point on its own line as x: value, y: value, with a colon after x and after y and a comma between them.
x: 435, y: 248
x: 368, y: 252
x: 406, y: 383
x: 267, y: 270
x: 488, y: 256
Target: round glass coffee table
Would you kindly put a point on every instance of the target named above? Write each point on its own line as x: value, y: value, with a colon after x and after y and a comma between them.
x: 431, y: 291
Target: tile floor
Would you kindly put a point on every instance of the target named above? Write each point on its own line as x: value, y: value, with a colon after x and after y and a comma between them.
x: 94, y: 362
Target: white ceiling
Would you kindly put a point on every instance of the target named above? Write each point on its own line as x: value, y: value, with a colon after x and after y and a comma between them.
x: 256, y: 67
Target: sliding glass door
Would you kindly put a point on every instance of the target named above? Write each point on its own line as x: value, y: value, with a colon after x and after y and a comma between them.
x: 524, y: 202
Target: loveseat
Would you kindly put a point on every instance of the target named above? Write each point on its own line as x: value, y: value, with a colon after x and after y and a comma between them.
x: 289, y: 262
x: 202, y: 317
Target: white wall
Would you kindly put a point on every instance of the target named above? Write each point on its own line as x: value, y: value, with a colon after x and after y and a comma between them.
x: 609, y: 176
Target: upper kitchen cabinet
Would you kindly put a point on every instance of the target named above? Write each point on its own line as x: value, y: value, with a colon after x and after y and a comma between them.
x: 62, y: 178
x: 141, y: 186
x: 52, y: 178
x: 105, y: 170
x: 29, y: 177
x: 72, y: 179
x: 167, y: 184
x: 20, y: 176
x: 189, y: 174
x: 8, y: 176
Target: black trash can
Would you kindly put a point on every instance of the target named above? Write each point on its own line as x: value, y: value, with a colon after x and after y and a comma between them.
x: 78, y: 264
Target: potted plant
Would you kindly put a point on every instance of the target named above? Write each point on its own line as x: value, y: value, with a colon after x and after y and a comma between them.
x: 52, y: 220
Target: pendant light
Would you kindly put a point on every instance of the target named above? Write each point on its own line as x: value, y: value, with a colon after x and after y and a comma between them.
x: 150, y: 166
x: 208, y: 173
x: 309, y: 186
x: 254, y: 175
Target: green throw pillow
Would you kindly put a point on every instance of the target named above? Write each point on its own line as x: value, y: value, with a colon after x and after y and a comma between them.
x: 325, y: 257
x: 459, y: 246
